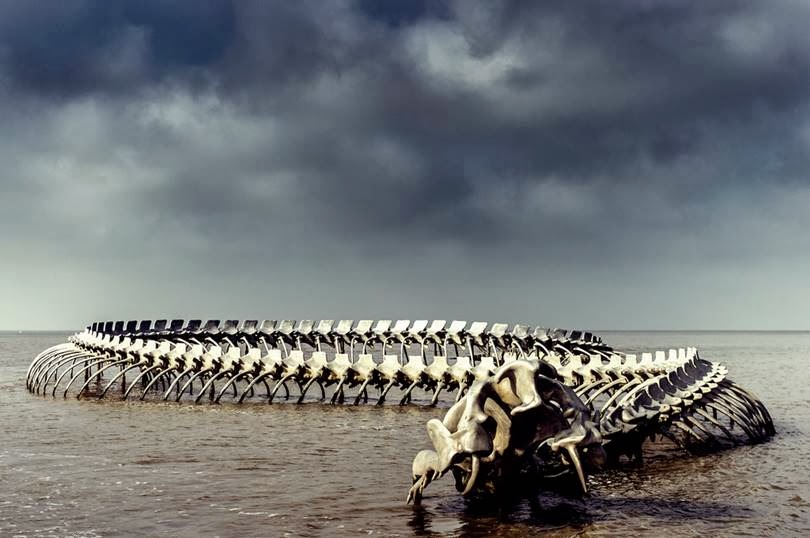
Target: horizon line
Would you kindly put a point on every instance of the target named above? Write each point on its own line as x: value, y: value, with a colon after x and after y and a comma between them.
x: 595, y: 331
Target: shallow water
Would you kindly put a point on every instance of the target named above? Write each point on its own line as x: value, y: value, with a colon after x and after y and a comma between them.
x: 112, y: 468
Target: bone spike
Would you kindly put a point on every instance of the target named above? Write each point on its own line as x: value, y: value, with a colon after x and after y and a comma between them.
x: 667, y: 390
x: 267, y: 327
x: 324, y: 327
x: 363, y: 326
x: 477, y: 328
x: 419, y: 326
x: 400, y: 326
x: 457, y: 326
x: 285, y: 327
x: 382, y: 327
x: 436, y: 326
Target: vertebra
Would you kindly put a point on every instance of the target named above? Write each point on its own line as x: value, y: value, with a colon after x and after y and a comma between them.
x: 537, y: 401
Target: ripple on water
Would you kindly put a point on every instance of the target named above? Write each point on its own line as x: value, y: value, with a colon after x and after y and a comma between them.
x: 106, y: 468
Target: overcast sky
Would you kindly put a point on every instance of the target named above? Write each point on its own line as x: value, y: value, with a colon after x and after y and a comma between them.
x: 623, y: 164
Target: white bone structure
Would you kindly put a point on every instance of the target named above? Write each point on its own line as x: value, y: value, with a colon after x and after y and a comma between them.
x: 577, y: 390
x: 180, y: 358
x: 529, y: 422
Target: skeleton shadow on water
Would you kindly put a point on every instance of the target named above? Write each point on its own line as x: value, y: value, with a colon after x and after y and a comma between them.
x: 549, y: 512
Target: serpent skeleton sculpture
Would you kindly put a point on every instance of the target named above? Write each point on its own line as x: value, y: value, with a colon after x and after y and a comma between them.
x: 531, y: 407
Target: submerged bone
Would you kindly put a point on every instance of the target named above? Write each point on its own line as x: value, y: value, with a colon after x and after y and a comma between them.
x: 533, y: 397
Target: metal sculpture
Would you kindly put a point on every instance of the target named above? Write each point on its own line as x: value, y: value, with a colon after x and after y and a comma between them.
x: 531, y: 405
x: 388, y: 355
x: 532, y: 422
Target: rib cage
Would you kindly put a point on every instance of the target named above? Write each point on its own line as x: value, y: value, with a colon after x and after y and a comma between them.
x: 384, y: 354
x: 673, y: 393
x: 694, y: 404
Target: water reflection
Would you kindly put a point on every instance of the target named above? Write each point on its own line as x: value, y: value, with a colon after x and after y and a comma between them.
x: 121, y: 468
x: 550, y: 514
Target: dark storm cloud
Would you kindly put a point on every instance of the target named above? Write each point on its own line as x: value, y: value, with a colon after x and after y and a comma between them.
x: 390, y: 141
x: 76, y: 47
